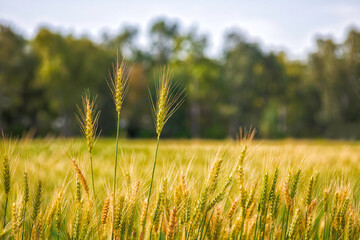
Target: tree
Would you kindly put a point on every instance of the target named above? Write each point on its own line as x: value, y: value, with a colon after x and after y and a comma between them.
x: 19, y: 98
x: 67, y: 67
x: 163, y: 36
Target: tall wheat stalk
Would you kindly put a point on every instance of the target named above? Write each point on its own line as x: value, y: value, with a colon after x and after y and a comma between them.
x: 118, y: 85
x: 169, y: 97
x: 88, y: 120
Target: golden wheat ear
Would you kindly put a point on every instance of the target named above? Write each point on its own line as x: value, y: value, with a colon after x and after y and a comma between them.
x: 169, y: 97
x: 118, y: 81
x: 88, y: 119
x: 80, y: 177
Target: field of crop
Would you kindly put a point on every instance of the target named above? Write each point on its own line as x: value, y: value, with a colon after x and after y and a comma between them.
x: 191, y: 205
x: 333, y: 159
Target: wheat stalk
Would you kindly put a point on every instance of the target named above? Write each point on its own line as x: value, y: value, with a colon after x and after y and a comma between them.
x: 169, y: 99
x: 88, y: 120
x: 118, y: 84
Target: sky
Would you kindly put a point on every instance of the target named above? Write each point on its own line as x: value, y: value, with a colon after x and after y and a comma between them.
x: 277, y: 25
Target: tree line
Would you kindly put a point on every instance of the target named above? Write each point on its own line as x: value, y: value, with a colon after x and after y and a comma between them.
x: 42, y: 79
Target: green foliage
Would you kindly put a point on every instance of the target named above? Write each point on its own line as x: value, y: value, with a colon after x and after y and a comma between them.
x: 41, y: 80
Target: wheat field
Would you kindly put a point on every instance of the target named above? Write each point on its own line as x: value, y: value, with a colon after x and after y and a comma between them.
x: 184, y: 166
x: 333, y: 159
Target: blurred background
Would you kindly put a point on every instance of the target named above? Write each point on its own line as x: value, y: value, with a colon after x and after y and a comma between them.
x: 286, y: 68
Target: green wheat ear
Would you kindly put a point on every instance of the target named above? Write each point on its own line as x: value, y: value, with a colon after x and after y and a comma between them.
x: 6, y: 174
x: 169, y: 97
